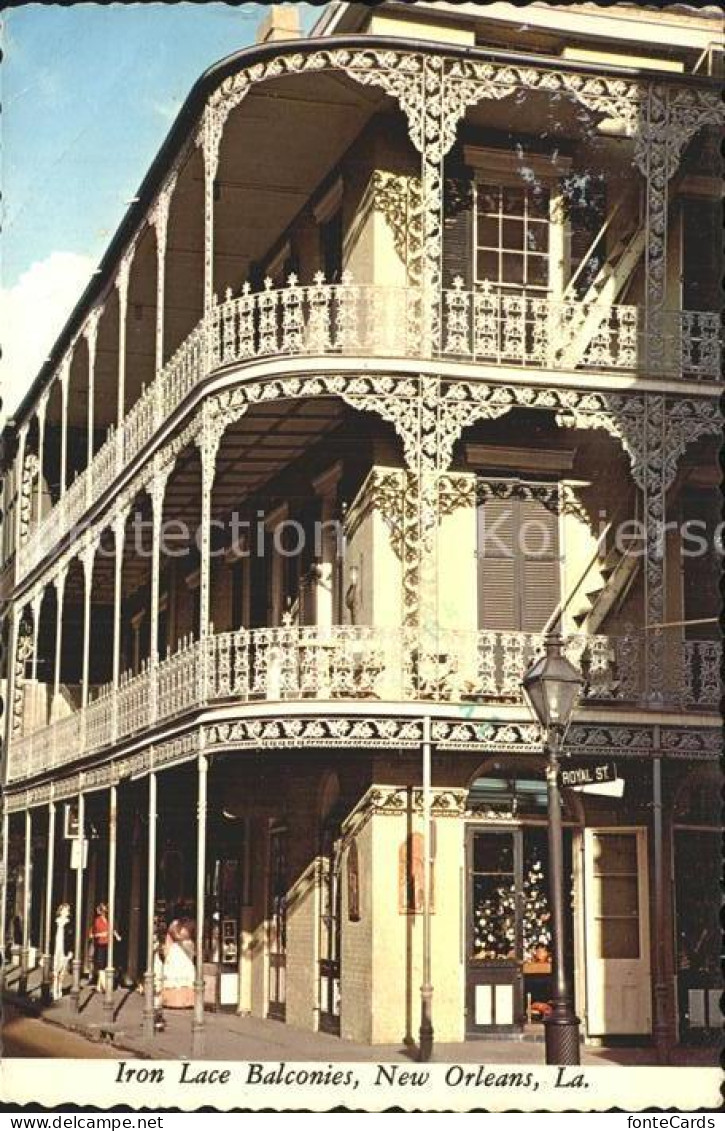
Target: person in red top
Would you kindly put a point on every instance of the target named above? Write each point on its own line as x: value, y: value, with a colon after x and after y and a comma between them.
x: 99, y: 934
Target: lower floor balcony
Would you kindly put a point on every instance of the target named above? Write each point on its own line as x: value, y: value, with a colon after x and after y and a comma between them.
x: 347, y: 664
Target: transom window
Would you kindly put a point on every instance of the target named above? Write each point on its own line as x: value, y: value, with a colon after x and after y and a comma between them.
x: 511, y: 236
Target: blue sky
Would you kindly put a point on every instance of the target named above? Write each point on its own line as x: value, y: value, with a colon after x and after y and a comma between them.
x: 89, y: 93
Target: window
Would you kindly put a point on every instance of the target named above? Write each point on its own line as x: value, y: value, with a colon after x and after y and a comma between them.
x: 518, y: 561
x: 511, y: 236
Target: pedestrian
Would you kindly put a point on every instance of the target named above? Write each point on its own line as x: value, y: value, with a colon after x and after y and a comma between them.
x: 100, y: 935
x: 179, y: 955
x: 62, y: 953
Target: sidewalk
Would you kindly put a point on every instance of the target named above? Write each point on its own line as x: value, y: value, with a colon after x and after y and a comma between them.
x: 231, y: 1037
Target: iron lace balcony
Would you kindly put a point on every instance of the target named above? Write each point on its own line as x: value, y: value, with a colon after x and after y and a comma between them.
x: 350, y: 320
x: 354, y: 664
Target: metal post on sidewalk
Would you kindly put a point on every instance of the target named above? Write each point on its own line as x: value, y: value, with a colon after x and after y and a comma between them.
x: 25, y: 951
x: 48, y: 928
x: 197, y: 1024
x: 661, y: 993
x: 4, y: 889
x: 561, y: 1032
x: 77, y: 966
x: 111, y: 917
x: 426, y: 989
x: 149, y: 1009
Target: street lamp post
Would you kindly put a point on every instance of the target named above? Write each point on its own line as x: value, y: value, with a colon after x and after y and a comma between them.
x: 552, y: 686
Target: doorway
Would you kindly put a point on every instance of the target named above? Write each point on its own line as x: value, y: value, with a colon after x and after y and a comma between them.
x: 509, y: 939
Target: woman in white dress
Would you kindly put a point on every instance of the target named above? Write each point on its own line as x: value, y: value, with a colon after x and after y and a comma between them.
x: 61, y: 954
x: 179, y: 971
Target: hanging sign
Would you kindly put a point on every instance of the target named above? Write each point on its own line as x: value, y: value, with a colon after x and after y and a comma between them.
x: 591, y: 777
x: 78, y: 858
x: 70, y: 820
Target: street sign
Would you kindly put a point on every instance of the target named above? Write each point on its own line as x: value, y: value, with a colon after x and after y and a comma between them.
x: 591, y: 777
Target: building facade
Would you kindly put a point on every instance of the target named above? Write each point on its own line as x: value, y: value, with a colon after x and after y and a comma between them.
x: 407, y: 350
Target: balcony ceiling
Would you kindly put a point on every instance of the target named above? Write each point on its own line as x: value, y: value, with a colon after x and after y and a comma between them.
x: 278, y: 147
x: 253, y: 451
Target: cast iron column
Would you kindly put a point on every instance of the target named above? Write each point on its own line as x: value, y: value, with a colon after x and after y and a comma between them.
x: 75, y: 992
x: 48, y: 930
x: 148, y: 981
x: 562, y: 1026
x: 197, y: 1024
x: 111, y: 915
x: 426, y: 990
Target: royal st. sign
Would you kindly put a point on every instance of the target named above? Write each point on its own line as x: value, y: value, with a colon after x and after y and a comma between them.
x: 591, y: 777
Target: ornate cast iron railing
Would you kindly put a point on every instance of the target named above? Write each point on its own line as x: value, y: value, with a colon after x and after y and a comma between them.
x: 295, y: 664
x: 346, y: 319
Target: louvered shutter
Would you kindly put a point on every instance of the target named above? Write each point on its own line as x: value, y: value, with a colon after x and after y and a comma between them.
x: 496, y: 565
x: 538, y: 560
x: 518, y: 564
x: 458, y: 232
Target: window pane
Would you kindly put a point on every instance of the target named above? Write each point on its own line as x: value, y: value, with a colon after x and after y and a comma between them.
x: 513, y: 201
x: 493, y: 852
x: 487, y: 267
x: 494, y: 918
x: 488, y: 231
x: 616, y: 938
x: 537, y: 236
x: 539, y: 202
x: 537, y: 271
x: 488, y: 198
x: 617, y: 896
x: 615, y: 853
x: 513, y: 234
x: 512, y: 269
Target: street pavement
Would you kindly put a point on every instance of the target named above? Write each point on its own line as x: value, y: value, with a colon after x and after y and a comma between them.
x: 56, y: 1030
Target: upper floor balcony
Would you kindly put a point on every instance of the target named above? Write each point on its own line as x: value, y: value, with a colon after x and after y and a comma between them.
x: 487, y: 327
x: 530, y: 228
x: 353, y: 667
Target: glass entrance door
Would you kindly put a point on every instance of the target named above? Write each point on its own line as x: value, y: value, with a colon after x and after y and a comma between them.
x: 494, y: 983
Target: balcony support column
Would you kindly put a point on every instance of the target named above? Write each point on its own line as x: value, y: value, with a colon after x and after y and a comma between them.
x: 197, y: 1025
x: 21, y: 523
x: 36, y: 605
x: 90, y: 333
x: 111, y: 917
x: 48, y: 971
x: 149, y: 1011
x: 77, y: 964
x: 158, y: 491
x: 42, y: 410
x: 59, y: 583
x: 4, y: 869
x: 119, y: 530
x: 27, y: 863
x: 208, y: 441
x: 122, y: 280
x: 210, y: 141
x: 64, y: 382
x: 160, y: 220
